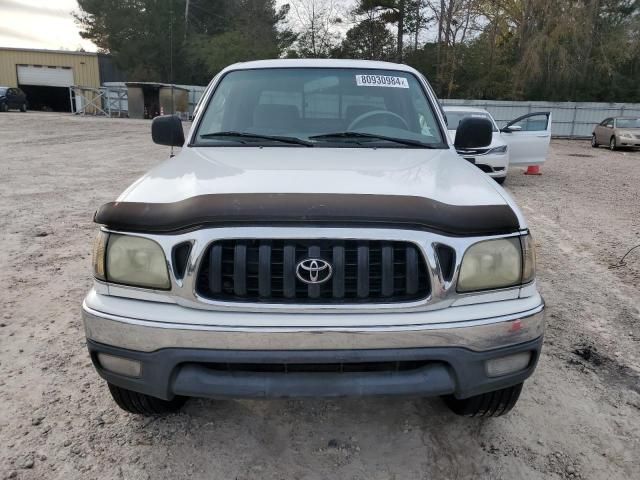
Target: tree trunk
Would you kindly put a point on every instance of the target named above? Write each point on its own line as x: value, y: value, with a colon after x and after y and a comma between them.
x: 401, y: 14
x: 439, y: 49
x: 417, y: 26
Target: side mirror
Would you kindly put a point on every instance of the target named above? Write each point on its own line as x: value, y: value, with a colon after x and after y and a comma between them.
x: 167, y: 130
x: 512, y: 128
x: 473, y: 133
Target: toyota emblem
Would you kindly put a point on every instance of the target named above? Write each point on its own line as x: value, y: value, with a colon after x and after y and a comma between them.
x: 314, y: 271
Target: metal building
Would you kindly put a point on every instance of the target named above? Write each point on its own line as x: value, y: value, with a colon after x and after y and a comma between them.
x: 46, y: 75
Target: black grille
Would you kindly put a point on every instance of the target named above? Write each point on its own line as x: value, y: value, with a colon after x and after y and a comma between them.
x: 265, y: 271
x: 484, y: 168
x: 342, y: 367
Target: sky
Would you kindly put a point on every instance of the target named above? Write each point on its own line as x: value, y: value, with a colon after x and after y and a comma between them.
x: 44, y: 24
x: 49, y: 24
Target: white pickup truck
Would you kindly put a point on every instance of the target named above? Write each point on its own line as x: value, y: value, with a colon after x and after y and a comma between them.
x: 316, y: 235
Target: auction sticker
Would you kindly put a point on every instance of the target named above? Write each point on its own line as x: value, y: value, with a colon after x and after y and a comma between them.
x: 381, y: 81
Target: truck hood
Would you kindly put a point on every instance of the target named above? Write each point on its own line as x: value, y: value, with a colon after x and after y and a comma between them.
x: 439, y: 175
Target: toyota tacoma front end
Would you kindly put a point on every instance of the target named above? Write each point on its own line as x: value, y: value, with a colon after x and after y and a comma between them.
x: 317, y: 235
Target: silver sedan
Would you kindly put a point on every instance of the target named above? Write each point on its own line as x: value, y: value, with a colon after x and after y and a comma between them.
x: 617, y: 132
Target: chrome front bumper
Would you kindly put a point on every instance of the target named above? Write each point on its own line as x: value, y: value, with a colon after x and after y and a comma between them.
x: 476, y: 335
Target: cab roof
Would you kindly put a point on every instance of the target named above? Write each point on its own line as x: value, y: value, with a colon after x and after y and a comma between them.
x: 320, y: 63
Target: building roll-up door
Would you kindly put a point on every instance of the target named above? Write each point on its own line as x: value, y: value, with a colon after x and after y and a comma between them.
x: 45, y: 76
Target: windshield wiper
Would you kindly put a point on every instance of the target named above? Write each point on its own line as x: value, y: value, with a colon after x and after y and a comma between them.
x: 373, y: 136
x: 258, y: 136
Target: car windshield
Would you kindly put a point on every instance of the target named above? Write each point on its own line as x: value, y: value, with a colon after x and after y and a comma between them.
x: 628, y: 123
x: 3, y: 90
x: 319, y: 107
x: 454, y: 118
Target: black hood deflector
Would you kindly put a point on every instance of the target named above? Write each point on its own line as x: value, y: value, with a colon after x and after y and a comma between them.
x: 339, y: 210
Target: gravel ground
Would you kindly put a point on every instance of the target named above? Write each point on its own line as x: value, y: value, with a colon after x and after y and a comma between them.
x: 578, y: 417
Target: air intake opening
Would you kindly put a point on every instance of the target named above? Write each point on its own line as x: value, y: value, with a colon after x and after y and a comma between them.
x: 342, y: 367
x: 447, y: 259
x: 180, y: 258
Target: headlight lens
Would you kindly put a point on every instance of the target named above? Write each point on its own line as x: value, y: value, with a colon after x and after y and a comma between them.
x: 528, y: 259
x: 500, y: 149
x: 136, y: 261
x: 491, y: 264
x: 626, y: 135
x: 99, y: 250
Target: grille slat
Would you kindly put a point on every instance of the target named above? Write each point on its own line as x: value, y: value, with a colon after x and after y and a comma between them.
x: 215, y: 269
x: 289, y: 272
x: 314, y: 290
x: 411, y: 266
x: 363, y: 271
x: 240, y: 270
x: 338, y: 271
x: 387, y: 270
x: 264, y: 270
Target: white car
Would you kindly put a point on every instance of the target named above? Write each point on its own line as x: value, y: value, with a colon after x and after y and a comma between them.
x: 522, y: 142
x: 316, y: 235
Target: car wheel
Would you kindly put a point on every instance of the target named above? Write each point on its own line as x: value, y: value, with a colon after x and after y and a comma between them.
x: 23, y: 107
x: 141, y: 404
x: 500, y: 180
x: 490, y: 404
x: 612, y: 144
x: 594, y: 143
x: 4, y: 107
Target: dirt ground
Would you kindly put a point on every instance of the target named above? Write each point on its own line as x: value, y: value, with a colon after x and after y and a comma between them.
x: 578, y: 417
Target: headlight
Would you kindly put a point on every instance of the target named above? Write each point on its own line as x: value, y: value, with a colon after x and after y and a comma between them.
x: 99, y: 250
x: 500, y: 149
x: 136, y: 261
x: 626, y: 135
x: 528, y: 259
x: 491, y: 264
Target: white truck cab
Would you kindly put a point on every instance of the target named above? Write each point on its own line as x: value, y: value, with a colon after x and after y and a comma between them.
x: 316, y: 235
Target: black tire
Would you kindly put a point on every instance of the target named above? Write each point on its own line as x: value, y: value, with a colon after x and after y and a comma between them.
x: 594, y: 143
x: 612, y: 144
x: 500, y: 180
x: 491, y: 404
x: 141, y: 404
x: 4, y: 107
x: 23, y: 107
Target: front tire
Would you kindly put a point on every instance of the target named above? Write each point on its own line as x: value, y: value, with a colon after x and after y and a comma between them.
x: 23, y: 107
x: 594, y: 143
x: 490, y: 404
x: 612, y: 144
x: 4, y: 107
x: 141, y: 404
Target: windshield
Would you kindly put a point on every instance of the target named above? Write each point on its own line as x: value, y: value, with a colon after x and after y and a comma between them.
x: 454, y: 118
x: 628, y: 123
x: 3, y: 91
x: 311, y: 104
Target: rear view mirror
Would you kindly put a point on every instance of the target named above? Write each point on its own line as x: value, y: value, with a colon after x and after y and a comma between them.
x: 473, y: 132
x: 167, y: 130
